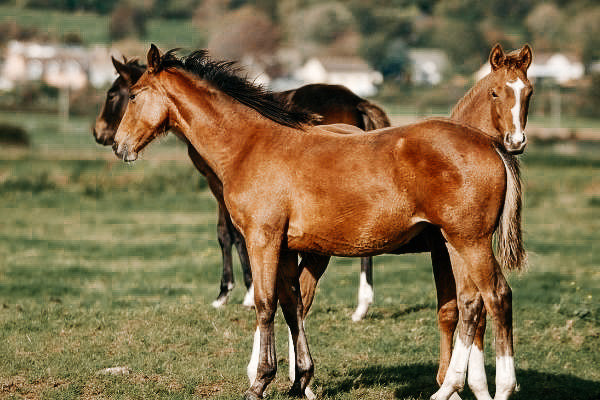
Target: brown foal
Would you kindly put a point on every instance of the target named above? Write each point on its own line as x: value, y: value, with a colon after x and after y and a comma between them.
x: 292, y: 188
x: 334, y: 103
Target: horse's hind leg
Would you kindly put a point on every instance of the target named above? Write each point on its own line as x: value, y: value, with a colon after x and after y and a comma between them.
x: 470, y: 304
x: 497, y: 297
x: 365, y: 289
x: 311, y: 269
x: 289, y: 295
x: 240, y: 245
x: 476, y: 372
x: 225, y: 241
x: 447, y: 314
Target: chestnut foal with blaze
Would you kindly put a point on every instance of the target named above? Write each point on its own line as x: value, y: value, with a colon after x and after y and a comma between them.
x: 292, y: 188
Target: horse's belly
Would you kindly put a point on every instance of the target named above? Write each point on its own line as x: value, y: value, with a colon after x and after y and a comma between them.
x: 353, y: 240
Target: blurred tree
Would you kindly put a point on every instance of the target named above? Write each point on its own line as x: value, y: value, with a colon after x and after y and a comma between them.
x: 463, y: 42
x: 245, y: 31
x: 209, y: 14
x: 388, y: 55
x: 324, y: 23
x: 182, y: 9
x: 585, y: 34
x: 468, y: 11
x: 100, y: 6
x: 545, y: 23
x: 128, y: 19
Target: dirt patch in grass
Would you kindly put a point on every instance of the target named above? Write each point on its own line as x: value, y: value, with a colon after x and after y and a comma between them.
x: 33, y: 390
x: 211, y: 389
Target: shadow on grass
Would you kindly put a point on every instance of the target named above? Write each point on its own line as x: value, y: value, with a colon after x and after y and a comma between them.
x: 418, y: 381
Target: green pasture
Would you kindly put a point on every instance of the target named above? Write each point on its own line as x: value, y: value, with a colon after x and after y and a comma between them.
x: 105, y: 265
x: 93, y: 28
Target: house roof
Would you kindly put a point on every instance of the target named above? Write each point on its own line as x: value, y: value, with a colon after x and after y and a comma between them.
x: 344, y: 64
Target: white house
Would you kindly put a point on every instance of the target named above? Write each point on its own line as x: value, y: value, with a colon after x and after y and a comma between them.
x: 558, y: 67
x: 427, y: 65
x: 352, y: 72
x: 60, y: 66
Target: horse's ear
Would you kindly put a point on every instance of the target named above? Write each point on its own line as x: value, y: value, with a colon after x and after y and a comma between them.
x: 154, y: 57
x: 526, y: 56
x: 122, y: 69
x: 497, y: 57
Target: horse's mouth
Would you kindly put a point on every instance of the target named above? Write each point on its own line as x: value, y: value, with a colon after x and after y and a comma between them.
x: 124, y: 153
x: 512, y: 147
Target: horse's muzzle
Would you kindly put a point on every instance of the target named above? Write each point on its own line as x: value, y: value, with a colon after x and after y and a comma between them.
x: 122, y: 151
x: 514, y: 147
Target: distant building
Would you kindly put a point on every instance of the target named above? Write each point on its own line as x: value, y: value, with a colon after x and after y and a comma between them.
x: 71, y: 67
x: 558, y: 67
x: 352, y: 72
x: 427, y: 66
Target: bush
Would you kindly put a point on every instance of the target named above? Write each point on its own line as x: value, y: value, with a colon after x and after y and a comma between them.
x: 13, y: 135
x: 127, y: 20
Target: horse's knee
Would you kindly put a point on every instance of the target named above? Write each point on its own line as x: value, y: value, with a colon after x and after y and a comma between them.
x: 448, y: 315
x: 223, y: 236
x: 470, y: 306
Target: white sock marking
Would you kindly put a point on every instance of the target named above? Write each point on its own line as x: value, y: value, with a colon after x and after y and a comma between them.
x: 476, y: 375
x: 252, y: 369
x: 249, y: 297
x: 506, y: 380
x: 292, y: 355
x: 365, y: 298
x: 457, y: 372
x: 517, y: 86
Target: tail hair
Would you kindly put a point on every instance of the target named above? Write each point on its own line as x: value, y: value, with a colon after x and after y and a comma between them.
x: 509, y: 236
x: 373, y: 116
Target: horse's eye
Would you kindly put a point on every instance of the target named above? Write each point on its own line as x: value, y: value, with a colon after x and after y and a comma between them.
x: 494, y: 94
x: 131, y: 97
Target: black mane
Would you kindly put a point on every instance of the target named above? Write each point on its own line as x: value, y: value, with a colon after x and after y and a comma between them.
x: 224, y: 76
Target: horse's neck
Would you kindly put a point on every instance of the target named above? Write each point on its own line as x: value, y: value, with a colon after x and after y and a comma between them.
x: 221, y: 130
x: 474, y: 109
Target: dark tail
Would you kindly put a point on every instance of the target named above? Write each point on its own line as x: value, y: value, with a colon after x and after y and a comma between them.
x: 509, y: 237
x: 373, y: 116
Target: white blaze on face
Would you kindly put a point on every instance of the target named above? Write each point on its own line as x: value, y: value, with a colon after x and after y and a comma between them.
x: 253, y: 364
x: 517, y: 86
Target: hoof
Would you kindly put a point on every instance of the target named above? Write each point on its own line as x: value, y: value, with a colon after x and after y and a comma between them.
x: 249, y: 395
x: 309, y: 394
x: 455, y: 396
x: 249, y: 298
x: 219, y: 302
x: 295, y: 392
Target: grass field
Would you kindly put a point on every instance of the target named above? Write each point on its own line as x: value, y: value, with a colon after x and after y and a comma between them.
x: 104, y: 265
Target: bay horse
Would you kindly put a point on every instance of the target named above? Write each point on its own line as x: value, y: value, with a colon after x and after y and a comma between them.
x: 294, y: 188
x: 334, y: 103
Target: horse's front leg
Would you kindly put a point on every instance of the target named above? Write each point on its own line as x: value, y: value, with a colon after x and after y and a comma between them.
x: 290, y: 299
x: 264, y: 252
x: 240, y: 245
x: 225, y: 241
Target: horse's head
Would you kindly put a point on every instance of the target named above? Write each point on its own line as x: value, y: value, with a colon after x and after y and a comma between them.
x: 509, y: 94
x: 146, y: 115
x: 116, y: 101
